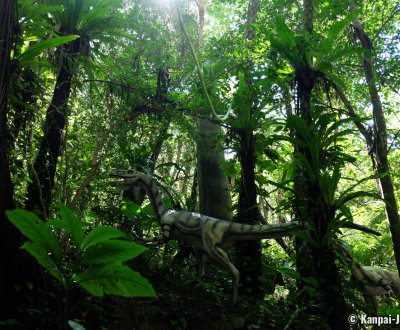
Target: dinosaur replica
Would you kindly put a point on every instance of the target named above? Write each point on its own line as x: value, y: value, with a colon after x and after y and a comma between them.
x: 371, y: 281
x: 374, y: 281
x: 207, y: 235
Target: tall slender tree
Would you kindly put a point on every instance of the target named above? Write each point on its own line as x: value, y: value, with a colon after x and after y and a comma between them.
x: 379, y: 148
x: 88, y: 20
x: 315, y: 213
x: 249, y: 253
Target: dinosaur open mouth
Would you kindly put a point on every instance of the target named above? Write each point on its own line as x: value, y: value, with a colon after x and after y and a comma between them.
x: 119, y: 177
x: 116, y: 182
x: 121, y: 173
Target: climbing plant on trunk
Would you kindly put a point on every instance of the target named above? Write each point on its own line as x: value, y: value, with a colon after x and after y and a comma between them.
x: 88, y: 20
x: 318, y: 160
x: 213, y: 186
x: 248, y: 253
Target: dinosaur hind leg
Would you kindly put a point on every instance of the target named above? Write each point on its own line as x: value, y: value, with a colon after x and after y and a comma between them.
x: 221, y: 258
x: 201, y: 262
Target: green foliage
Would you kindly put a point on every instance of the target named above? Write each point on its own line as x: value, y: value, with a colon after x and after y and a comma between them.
x: 326, y: 52
x: 99, y: 255
x: 30, y: 54
x: 322, y: 161
x: 116, y: 279
x: 124, y: 65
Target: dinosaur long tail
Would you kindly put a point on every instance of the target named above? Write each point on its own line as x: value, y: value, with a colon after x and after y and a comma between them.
x: 244, y: 232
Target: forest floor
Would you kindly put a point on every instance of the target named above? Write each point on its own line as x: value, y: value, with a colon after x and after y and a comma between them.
x: 185, y: 302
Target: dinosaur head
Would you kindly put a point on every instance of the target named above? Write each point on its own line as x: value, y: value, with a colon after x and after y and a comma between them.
x: 129, y: 177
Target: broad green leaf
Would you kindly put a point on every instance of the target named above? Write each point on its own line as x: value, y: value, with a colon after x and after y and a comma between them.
x: 36, y: 230
x: 333, y: 78
x: 33, y: 51
x: 304, y: 163
x: 70, y: 223
x: 344, y: 198
x: 299, y: 125
x: 289, y: 272
x: 112, y: 251
x: 101, y: 234
x: 115, y: 279
x: 76, y: 326
x: 272, y: 154
x: 326, y: 45
x: 341, y: 52
x: 285, y: 35
x: 282, y: 185
x: 73, y: 223
x: 286, y: 51
x: 42, y: 257
x: 345, y: 212
x: 358, y: 183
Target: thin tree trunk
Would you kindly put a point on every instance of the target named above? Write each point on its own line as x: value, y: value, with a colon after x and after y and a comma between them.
x: 367, y: 135
x: 380, y: 148
x: 101, y: 140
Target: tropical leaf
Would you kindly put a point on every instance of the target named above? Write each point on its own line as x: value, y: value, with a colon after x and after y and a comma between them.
x: 333, y: 78
x: 70, y: 223
x: 112, y: 251
x: 285, y: 35
x: 115, y: 279
x: 289, y: 272
x: 35, y: 230
x: 288, y: 52
x: 299, y: 125
x: 75, y: 326
x: 35, y: 50
x: 305, y: 164
x: 333, y: 34
x: 339, y: 53
x: 346, y: 197
x: 329, y: 184
x: 101, y: 234
x: 44, y: 259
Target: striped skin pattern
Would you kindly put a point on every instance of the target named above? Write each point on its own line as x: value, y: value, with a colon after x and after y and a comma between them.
x: 371, y: 281
x: 207, y: 235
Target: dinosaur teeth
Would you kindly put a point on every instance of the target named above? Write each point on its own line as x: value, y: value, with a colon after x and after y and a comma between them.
x: 116, y: 183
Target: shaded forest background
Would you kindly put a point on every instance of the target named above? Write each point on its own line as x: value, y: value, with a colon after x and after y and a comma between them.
x: 249, y: 111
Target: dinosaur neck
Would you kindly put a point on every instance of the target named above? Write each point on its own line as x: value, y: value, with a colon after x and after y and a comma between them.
x: 154, y: 195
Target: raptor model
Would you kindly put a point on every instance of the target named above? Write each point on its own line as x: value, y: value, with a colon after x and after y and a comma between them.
x: 207, y: 235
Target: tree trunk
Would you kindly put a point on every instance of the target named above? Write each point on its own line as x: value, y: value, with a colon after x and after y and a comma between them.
x: 44, y: 168
x: 10, y: 237
x: 214, y: 193
x: 213, y: 186
x: 312, y: 211
x: 380, y: 148
x: 248, y: 254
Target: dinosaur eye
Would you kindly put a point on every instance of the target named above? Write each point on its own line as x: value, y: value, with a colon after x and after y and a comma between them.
x: 130, y: 172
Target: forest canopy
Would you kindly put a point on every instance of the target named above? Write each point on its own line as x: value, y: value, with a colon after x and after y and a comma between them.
x: 274, y: 116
